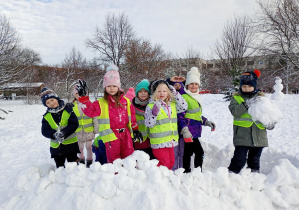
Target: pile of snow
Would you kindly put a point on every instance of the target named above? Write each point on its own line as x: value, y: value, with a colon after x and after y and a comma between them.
x: 29, y: 179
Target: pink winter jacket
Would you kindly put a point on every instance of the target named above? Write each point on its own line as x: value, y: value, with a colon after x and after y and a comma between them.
x: 118, y: 115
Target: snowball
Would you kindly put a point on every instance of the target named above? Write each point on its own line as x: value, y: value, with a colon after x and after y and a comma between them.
x: 265, y: 111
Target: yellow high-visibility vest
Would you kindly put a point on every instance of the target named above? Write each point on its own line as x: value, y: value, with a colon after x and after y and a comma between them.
x: 85, y: 122
x: 165, y: 129
x: 245, y: 120
x: 141, y: 126
x: 105, y: 130
x: 194, y: 110
x: 63, y: 123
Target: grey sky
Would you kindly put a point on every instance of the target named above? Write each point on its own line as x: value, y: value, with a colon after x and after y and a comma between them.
x: 53, y: 27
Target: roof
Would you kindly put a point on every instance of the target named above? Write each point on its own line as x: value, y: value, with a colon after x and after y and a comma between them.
x: 21, y: 85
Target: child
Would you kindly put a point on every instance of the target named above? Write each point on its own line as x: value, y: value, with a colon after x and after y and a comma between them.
x: 249, y: 136
x: 116, y: 116
x: 161, y: 119
x: 85, y: 132
x: 98, y: 147
x: 177, y: 83
x: 140, y: 102
x: 192, y: 121
x: 59, y: 125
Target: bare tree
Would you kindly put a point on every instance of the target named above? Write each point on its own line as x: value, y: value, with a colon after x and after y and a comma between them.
x: 112, y: 39
x: 142, y: 60
x: 278, y: 24
x: 234, y: 46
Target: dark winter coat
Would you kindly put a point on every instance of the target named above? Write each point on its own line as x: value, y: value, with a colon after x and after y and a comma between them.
x: 252, y: 136
x: 195, y: 127
x: 71, y: 127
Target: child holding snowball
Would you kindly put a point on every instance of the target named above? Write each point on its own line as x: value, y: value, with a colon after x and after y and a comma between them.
x: 161, y: 119
x: 250, y: 137
x: 116, y: 116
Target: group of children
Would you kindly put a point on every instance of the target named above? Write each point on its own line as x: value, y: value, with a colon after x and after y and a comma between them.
x: 164, y: 119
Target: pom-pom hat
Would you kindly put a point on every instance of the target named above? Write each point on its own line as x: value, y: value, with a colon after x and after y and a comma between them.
x: 250, y: 78
x: 193, y: 76
x: 46, y: 94
x: 144, y: 84
x: 112, y: 77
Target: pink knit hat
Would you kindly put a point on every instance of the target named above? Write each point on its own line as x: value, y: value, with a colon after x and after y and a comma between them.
x: 112, y: 77
x: 130, y: 94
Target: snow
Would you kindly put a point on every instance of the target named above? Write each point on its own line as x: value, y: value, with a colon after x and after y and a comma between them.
x: 29, y: 180
x: 278, y: 95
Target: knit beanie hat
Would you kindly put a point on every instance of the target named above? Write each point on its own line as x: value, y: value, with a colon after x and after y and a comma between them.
x: 143, y: 84
x: 130, y: 94
x: 47, y: 93
x: 112, y: 77
x: 250, y: 78
x: 154, y: 84
x: 193, y: 76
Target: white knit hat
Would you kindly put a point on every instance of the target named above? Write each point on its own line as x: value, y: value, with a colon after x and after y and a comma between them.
x: 193, y: 76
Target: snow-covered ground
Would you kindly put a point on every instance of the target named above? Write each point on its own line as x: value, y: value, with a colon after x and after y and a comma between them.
x: 29, y: 180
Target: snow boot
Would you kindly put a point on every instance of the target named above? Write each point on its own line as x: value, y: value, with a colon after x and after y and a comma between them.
x: 88, y: 163
x: 82, y: 161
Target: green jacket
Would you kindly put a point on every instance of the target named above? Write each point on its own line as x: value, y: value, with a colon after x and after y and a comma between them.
x: 252, y: 136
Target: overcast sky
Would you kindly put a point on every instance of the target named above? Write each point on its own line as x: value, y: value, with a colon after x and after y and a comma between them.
x: 53, y: 27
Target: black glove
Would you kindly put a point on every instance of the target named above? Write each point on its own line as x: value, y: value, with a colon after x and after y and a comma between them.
x: 137, y: 136
x: 81, y: 88
x: 59, y: 136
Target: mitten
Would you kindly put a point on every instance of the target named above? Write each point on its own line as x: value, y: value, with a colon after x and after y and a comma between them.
x: 137, y: 136
x: 186, y: 134
x: 81, y: 88
x: 172, y: 90
x: 59, y: 136
x: 156, y: 108
x: 210, y: 124
x: 250, y: 101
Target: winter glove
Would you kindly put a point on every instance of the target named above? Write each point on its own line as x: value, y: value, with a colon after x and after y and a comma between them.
x: 59, y: 136
x: 210, y: 124
x: 172, y: 90
x: 270, y: 127
x: 81, y: 88
x: 156, y: 108
x: 137, y: 136
x: 186, y: 134
x: 251, y: 101
x: 69, y: 104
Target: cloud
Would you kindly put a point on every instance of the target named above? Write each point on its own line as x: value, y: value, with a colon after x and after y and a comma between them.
x: 52, y: 28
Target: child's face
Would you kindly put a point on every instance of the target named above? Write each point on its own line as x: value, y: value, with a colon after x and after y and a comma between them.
x: 162, y: 92
x: 247, y: 88
x: 193, y: 87
x: 177, y: 86
x: 112, y: 89
x: 52, y: 103
x: 142, y: 94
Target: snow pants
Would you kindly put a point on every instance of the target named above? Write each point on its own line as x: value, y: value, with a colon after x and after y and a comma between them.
x: 179, y: 154
x: 60, y: 159
x: 240, y: 156
x: 190, y: 148
x: 122, y: 147
x: 165, y: 156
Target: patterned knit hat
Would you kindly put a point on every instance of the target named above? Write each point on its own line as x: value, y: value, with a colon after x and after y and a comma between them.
x: 154, y: 84
x: 46, y: 94
x: 112, y: 77
x: 144, y: 84
x: 250, y: 78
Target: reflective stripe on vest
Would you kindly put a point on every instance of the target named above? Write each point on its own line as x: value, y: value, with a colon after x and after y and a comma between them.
x: 194, y: 110
x: 105, y: 130
x: 245, y: 120
x: 85, y: 122
x: 63, y: 123
x: 165, y: 129
x: 141, y: 126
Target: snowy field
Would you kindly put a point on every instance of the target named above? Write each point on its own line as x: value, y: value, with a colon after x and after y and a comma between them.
x: 29, y: 180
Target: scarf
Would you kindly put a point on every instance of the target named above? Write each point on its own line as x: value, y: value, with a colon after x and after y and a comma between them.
x: 195, y: 96
x: 140, y: 105
x: 58, y: 108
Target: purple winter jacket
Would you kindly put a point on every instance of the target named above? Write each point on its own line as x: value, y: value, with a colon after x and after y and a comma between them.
x: 195, y: 127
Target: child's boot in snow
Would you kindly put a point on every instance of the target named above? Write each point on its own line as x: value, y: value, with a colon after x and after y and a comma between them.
x: 82, y: 161
x: 88, y: 163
